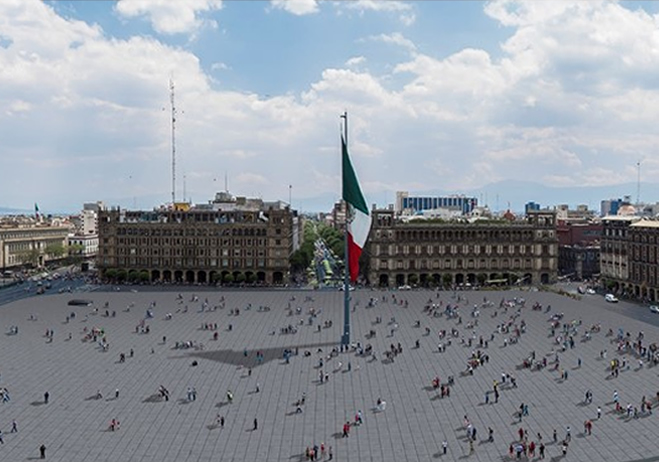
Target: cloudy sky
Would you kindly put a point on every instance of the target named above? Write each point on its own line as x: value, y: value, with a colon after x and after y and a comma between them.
x: 440, y: 95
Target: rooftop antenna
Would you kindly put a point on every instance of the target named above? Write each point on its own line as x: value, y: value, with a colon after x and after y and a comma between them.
x: 184, y: 192
x: 226, y: 182
x: 171, y: 98
x: 638, y: 183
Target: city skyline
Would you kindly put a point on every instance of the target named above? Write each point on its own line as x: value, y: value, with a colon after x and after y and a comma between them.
x: 448, y: 96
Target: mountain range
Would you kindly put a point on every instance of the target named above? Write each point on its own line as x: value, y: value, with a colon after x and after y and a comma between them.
x: 499, y: 196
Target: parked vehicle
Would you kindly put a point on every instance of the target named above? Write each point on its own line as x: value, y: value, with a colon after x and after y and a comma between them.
x: 610, y: 298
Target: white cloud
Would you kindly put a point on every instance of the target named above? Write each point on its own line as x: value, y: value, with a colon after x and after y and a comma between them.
x: 355, y: 61
x: 168, y: 16
x: 406, y: 11
x: 296, y: 7
x: 568, y: 94
x: 394, y: 39
x: 219, y: 67
x: 246, y: 179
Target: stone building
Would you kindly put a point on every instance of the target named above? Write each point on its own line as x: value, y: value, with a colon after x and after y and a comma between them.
x: 429, y: 253
x: 227, y: 240
x: 643, y: 278
x: 579, y: 248
x: 33, y: 245
x: 614, y: 250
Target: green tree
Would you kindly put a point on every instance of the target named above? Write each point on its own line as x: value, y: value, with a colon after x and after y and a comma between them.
x: 75, y: 252
x: 144, y: 276
x: 482, y: 278
x: 240, y: 278
x: 447, y: 279
x: 56, y: 251
x: 122, y: 274
x: 413, y: 279
x: 110, y: 274
x: 227, y: 278
x: 250, y: 278
x: 30, y: 257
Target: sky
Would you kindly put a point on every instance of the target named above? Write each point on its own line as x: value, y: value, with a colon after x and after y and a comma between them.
x: 440, y: 95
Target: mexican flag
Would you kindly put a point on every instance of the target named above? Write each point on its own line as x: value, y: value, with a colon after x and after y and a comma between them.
x: 358, y: 216
x: 36, y: 210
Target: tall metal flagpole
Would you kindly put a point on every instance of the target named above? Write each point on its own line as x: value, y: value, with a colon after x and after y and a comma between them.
x: 345, y: 339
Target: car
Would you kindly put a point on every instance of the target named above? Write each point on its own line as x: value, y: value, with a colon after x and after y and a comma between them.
x: 610, y: 298
x: 654, y: 308
x: 405, y: 287
x: 590, y: 291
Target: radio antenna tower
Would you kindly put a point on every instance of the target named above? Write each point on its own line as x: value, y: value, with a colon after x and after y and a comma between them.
x: 638, y: 183
x: 171, y: 97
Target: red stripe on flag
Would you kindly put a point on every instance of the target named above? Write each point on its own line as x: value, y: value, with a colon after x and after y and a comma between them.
x: 354, y: 253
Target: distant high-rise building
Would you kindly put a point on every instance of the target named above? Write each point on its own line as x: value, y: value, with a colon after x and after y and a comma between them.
x: 531, y: 207
x: 416, y: 204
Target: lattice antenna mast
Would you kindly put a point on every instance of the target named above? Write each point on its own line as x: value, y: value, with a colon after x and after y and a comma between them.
x: 638, y: 183
x: 172, y: 100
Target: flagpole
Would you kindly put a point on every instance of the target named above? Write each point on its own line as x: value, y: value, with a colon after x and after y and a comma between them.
x: 345, y: 339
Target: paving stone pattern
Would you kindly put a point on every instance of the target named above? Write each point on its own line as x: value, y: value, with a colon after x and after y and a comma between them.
x: 74, y: 424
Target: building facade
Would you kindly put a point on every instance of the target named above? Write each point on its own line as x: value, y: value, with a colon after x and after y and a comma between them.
x: 643, y: 281
x: 406, y: 204
x: 457, y: 253
x: 579, y: 249
x: 33, y: 245
x: 614, y: 249
x: 230, y: 242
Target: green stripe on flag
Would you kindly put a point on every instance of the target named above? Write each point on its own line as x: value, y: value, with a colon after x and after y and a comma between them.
x: 352, y: 194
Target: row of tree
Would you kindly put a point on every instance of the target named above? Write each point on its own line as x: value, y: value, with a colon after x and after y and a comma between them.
x: 57, y: 252
x: 302, y: 258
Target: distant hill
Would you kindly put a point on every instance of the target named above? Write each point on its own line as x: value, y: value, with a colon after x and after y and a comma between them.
x: 496, y: 195
x: 12, y: 211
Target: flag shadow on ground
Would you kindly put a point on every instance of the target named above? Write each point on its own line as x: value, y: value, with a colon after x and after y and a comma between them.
x: 238, y: 358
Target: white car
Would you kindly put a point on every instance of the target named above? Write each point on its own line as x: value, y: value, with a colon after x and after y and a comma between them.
x: 610, y: 298
x: 654, y: 308
x: 590, y: 291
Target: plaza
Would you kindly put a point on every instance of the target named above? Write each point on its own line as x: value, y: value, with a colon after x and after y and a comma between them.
x: 254, y: 328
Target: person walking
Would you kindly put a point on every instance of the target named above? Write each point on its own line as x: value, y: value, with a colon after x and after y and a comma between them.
x: 256, y: 424
x: 444, y: 447
x: 42, y: 451
x: 14, y: 426
x: 46, y: 396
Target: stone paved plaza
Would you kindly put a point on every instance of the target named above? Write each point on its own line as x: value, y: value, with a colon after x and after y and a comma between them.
x: 74, y: 424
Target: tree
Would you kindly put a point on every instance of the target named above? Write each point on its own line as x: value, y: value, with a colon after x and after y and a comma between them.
x: 250, y: 278
x: 240, y: 278
x: 76, y: 252
x: 121, y: 275
x: 144, y: 276
x: 413, y: 279
x: 447, y: 279
x: 110, y: 274
x: 56, y: 251
x: 30, y: 257
x: 482, y: 278
x: 227, y: 278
